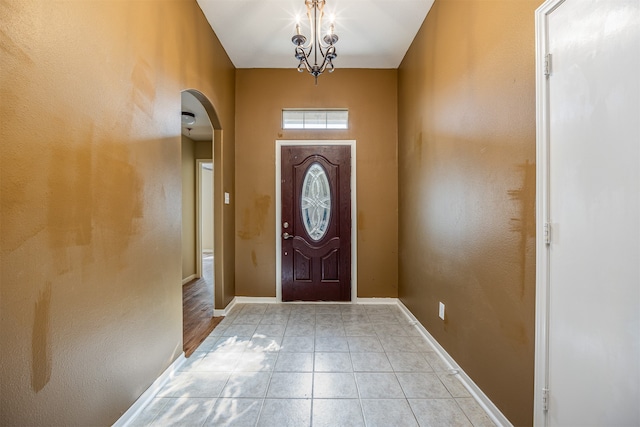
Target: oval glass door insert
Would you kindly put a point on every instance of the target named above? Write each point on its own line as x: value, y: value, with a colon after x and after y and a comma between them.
x: 315, y: 202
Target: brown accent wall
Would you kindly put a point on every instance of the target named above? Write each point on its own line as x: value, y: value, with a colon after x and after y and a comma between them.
x: 370, y: 96
x: 466, y: 150
x: 203, y: 150
x: 91, y: 303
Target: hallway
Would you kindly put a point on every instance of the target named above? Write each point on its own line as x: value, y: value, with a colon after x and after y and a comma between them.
x: 197, y: 307
x: 314, y: 364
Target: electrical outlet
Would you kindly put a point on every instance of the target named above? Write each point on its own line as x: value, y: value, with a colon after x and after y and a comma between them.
x: 441, y: 311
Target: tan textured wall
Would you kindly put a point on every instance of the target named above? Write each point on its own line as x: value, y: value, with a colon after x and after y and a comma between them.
x: 467, y: 190
x: 203, y: 150
x: 91, y: 305
x: 371, y: 98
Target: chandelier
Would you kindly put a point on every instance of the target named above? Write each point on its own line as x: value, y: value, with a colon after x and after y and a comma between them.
x: 322, y: 50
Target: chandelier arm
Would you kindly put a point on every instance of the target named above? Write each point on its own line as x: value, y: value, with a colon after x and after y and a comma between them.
x: 331, y: 52
x: 312, y: 39
x: 302, y: 56
x: 321, y: 42
x: 306, y: 64
x: 326, y: 62
x: 329, y: 66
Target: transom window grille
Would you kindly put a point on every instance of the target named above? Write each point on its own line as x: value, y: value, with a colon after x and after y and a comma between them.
x: 315, y: 119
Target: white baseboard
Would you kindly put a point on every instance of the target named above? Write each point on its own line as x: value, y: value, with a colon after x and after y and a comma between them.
x: 226, y: 310
x: 149, y: 393
x: 318, y: 302
x: 272, y: 300
x: 217, y: 312
x: 243, y: 300
x: 189, y: 278
x: 393, y: 301
x: 489, y: 407
x: 254, y: 300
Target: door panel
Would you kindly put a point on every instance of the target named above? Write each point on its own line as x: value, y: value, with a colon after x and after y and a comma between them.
x: 594, y: 189
x: 316, y: 223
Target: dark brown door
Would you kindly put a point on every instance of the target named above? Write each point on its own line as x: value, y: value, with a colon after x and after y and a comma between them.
x: 316, y: 223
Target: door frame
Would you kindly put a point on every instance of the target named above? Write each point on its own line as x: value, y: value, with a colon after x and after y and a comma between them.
x: 354, y: 217
x: 198, y: 209
x: 541, y: 364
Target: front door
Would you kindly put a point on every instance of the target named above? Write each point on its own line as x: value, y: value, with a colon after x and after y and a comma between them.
x: 316, y: 223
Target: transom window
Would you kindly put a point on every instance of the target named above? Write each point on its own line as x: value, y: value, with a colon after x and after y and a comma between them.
x: 333, y: 118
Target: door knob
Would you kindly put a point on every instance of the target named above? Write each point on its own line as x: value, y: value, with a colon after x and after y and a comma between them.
x: 286, y: 236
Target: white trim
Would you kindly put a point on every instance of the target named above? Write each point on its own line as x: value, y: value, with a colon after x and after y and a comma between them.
x: 146, y: 397
x: 199, y: 249
x: 380, y: 301
x: 254, y: 300
x: 225, y: 311
x: 541, y: 365
x: 354, y: 211
x: 199, y: 163
x: 492, y: 410
x: 189, y: 278
x: 319, y: 302
x: 271, y: 300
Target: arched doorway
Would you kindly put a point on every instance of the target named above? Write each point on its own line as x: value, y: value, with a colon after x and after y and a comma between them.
x: 200, y: 239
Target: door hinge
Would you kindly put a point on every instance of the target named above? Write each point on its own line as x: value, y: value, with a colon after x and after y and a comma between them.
x: 547, y: 233
x: 545, y: 399
x: 547, y: 65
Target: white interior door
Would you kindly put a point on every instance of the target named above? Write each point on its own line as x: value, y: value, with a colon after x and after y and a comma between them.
x: 593, y: 193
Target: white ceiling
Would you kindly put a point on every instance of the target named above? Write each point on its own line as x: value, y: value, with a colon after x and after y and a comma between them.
x: 257, y: 34
x: 201, y: 130
x: 373, y: 33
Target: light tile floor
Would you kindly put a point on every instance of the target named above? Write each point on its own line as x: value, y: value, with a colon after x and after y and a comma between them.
x: 314, y: 364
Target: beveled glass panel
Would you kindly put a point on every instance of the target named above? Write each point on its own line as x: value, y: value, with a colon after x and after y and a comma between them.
x: 315, y: 202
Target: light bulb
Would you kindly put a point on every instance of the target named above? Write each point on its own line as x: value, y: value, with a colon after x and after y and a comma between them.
x: 188, y: 118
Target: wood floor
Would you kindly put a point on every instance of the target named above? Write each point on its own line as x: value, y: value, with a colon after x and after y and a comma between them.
x: 197, y: 309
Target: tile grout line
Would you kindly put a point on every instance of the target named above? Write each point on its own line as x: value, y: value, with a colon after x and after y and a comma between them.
x: 355, y: 380
x: 313, y: 382
x: 288, y: 321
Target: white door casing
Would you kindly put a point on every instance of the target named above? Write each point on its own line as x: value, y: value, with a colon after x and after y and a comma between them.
x: 588, y: 195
